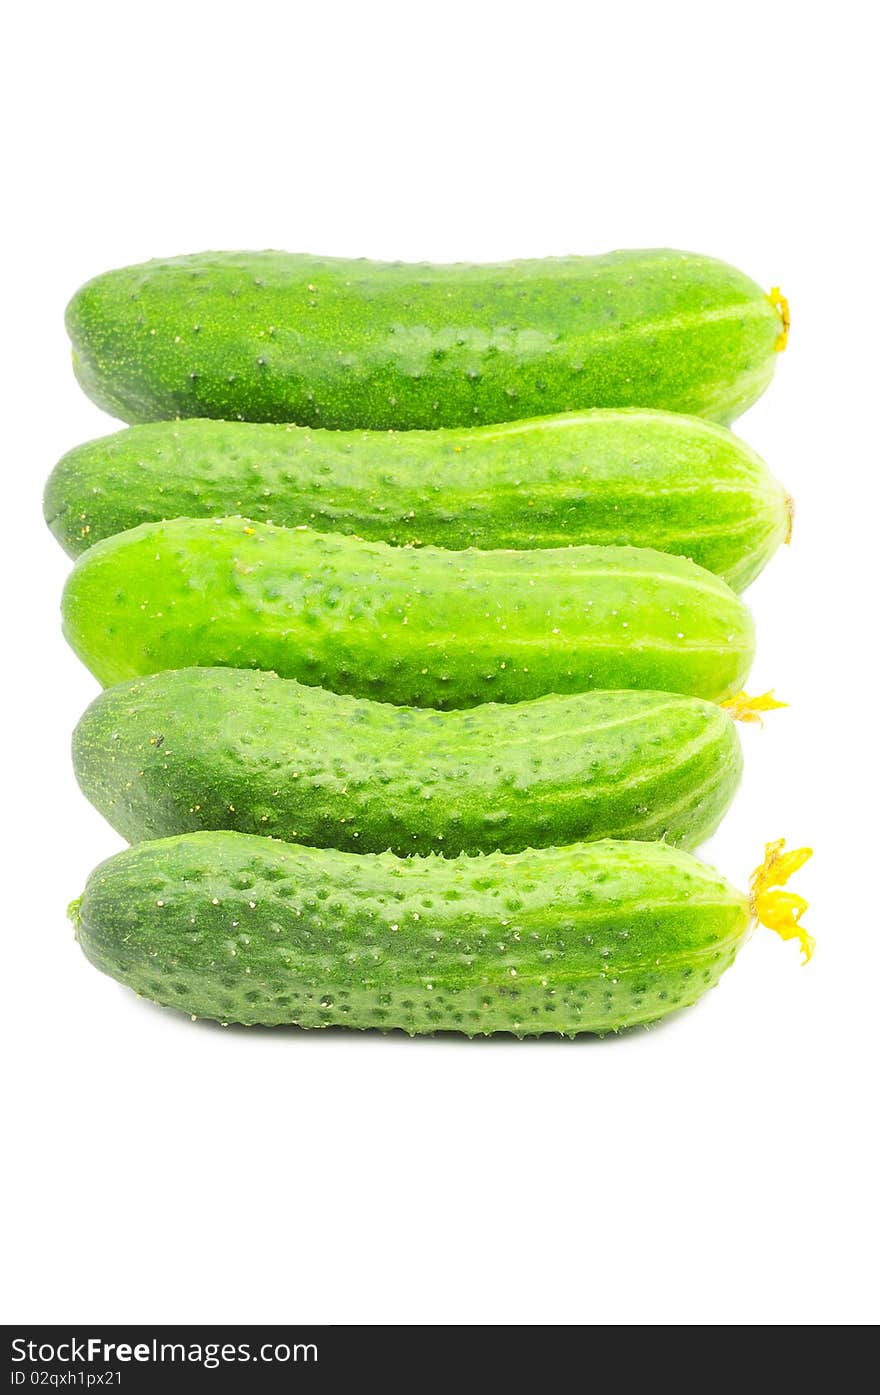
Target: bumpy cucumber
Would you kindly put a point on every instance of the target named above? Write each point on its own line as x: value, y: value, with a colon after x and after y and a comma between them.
x: 588, y: 938
x: 647, y: 479
x: 225, y: 748
x: 270, y: 336
x: 427, y: 628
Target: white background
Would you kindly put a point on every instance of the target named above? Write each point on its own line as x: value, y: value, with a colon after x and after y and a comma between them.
x: 719, y: 1169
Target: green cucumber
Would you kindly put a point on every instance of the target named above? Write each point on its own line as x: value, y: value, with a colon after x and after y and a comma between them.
x: 647, y: 479
x: 270, y: 336
x: 226, y: 748
x: 427, y: 628
x: 588, y: 938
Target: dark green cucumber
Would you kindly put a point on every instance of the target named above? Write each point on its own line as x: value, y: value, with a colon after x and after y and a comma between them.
x: 271, y: 336
x: 225, y: 748
x: 426, y: 628
x: 589, y: 938
x: 646, y: 479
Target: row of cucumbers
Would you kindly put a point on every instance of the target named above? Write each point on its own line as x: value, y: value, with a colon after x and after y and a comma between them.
x: 412, y: 706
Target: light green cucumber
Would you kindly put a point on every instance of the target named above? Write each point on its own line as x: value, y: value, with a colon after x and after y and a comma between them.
x: 322, y: 341
x: 227, y: 748
x: 592, y: 937
x: 647, y: 479
x: 426, y: 628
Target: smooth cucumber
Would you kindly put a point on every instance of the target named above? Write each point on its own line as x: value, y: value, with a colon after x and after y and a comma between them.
x: 322, y: 341
x: 645, y: 479
x: 589, y: 938
x: 226, y: 748
x: 426, y: 628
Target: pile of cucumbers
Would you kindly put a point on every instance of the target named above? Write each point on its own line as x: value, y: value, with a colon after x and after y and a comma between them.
x: 414, y: 593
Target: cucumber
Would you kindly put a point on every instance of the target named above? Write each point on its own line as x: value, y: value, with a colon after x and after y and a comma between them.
x: 225, y: 748
x: 588, y: 938
x: 425, y: 628
x: 648, y: 479
x: 270, y: 336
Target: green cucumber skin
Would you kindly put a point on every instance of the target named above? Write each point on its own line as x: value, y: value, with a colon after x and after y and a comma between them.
x: 424, y: 628
x: 198, y: 749
x: 644, y: 479
x: 589, y: 938
x: 274, y: 336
